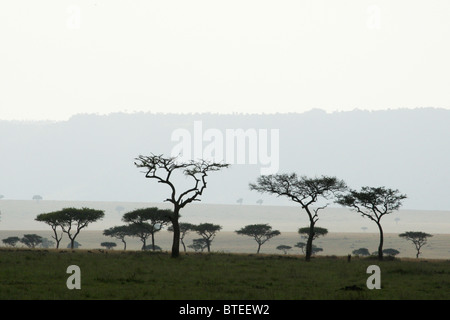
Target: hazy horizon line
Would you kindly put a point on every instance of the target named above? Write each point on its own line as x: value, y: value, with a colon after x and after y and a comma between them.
x: 233, y: 113
x: 204, y: 203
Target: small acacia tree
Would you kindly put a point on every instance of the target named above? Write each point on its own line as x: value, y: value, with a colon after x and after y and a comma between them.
x: 73, y: 220
x: 417, y: 237
x: 37, y: 198
x: 373, y: 203
x: 391, y: 252
x: 260, y: 232
x: 108, y: 245
x: 304, y: 191
x: 163, y: 169
x: 318, y: 232
x: 198, y: 244
x: 119, y: 232
x: 284, y: 248
x: 53, y: 219
x: 147, y: 222
x: 361, y: 252
x: 11, y: 241
x: 208, y: 232
x: 31, y: 240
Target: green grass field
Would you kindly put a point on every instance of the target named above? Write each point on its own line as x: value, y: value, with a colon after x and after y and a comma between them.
x: 41, y: 274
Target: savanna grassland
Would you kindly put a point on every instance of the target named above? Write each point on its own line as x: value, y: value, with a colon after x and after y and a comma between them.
x: 41, y: 274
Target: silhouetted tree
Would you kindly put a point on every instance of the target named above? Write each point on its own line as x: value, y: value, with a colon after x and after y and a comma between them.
x: 260, y: 232
x: 47, y: 243
x: 373, y: 203
x: 147, y: 222
x: 119, y: 232
x: 198, y: 244
x: 163, y: 169
x: 417, y: 237
x: 284, y: 248
x: 304, y: 191
x: 300, y: 245
x: 54, y: 220
x: 316, y: 249
x: 142, y: 231
x: 318, y: 232
x: 31, y: 240
x: 240, y: 200
x: 108, y: 245
x: 361, y: 252
x: 391, y: 252
x: 78, y: 219
x: 208, y: 232
x: 37, y: 198
x: 11, y: 241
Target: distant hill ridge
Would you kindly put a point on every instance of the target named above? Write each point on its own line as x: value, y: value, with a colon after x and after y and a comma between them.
x: 90, y: 157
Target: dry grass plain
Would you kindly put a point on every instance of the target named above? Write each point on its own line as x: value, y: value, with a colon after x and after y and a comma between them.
x: 339, y: 244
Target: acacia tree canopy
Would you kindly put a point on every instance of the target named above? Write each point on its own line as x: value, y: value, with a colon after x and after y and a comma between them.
x: 163, y: 169
x: 79, y: 219
x: 31, y: 240
x: 260, y: 232
x: 417, y: 237
x: 318, y: 232
x: 54, y: 220
x: 11, y: 241
x: 146, y: 222
x: 373, y: 203
x: 304, y: 191
x: 208, y: 232
x: 119, y: 232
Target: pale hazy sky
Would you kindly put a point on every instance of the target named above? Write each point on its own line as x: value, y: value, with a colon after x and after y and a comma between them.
x: 59, y: 58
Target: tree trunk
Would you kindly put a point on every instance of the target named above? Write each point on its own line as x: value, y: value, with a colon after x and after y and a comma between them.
x: 184, y: 246
x: 176, y: 234
x: 124, y: 245
x: 153, y: 241
x: 58, y: 240
x: 310, y: 241
x: 418, y: 250
x: 259, y: 247
x: 380, y: 246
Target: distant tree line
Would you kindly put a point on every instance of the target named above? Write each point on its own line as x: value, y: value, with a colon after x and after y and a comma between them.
x: 312, y: 194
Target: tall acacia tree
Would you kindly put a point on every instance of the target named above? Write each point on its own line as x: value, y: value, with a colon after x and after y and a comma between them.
x: 304, y: 191
x: 163, y: 169
x: 373, y: 203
